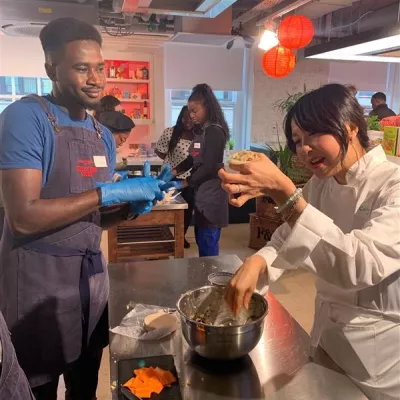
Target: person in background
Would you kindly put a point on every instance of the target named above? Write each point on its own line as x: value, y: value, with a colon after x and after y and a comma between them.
x: 379, y: 106
x: 344, y: 228
x: 120, y: 126
x: 55, y: 163
x: 108, y: 103
x: 211, y: 211
x: 173, y: 147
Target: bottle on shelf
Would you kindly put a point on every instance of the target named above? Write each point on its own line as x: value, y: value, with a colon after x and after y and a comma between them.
x: 145, y: 73
x: 131, y: 71
x: 145, y: 111
x: 112, y: 70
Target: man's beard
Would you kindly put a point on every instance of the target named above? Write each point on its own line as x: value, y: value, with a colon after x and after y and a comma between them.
x: 93, y: 107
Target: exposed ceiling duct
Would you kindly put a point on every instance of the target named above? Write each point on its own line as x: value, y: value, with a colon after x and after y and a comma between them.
x: 379, y: 45
x: 27, y: 17
x: 367, y: 31
x: 256, y: 11
x: 272, y: 9
x: 188, y: 8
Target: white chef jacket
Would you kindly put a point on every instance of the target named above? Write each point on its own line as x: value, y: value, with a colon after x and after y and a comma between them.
x: 349, y: 236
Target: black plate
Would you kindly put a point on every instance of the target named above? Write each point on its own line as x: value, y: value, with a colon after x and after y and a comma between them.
x: 125, y: 372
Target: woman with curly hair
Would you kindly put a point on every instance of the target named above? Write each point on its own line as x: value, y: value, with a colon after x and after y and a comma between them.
x: 173, y: 147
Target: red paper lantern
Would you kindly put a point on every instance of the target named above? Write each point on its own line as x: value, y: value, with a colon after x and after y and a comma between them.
x: 295, y: 32
x: 278, y: 62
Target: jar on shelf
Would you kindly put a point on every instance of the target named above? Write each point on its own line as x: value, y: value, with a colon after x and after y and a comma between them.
x: 116, y: 92
x: 139, y: 73
x: 131, y: 72
x: 112, y: 70
x: 136, y: 96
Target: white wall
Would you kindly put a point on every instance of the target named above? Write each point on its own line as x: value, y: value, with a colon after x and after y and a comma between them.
x: 187, y: 65
x: 393, y: 87
x: 367, y: 76
x: 21, y: 56
x: 266, y: 120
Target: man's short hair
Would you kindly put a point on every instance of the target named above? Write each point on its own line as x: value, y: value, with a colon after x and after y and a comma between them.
x: 58, y: 33
x: 379, y: 96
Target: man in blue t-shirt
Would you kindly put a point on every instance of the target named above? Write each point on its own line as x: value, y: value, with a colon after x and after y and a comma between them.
x: 56, y: 163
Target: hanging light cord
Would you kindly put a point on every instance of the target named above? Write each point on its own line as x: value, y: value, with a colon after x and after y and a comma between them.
x: 358, y: 20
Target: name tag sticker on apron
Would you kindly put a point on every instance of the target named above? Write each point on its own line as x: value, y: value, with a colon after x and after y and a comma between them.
x: 100, y: 161
x: 197, y: 145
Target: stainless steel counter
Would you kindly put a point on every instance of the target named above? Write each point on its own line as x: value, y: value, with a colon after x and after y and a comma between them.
x: 176, y: 204
x: 279, y: 368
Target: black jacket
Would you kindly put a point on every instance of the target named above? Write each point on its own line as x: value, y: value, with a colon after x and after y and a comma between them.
x: 382, y: 111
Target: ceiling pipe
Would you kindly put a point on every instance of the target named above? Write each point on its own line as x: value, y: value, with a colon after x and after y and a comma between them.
x: 207, y: 9
x: 283, y: 8
x: 266, y: 6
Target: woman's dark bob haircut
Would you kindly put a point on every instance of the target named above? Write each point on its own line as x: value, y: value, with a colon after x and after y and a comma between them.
x: 327, y: 110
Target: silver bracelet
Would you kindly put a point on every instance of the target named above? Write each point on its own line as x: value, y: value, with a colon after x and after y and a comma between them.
x: 292, y: 199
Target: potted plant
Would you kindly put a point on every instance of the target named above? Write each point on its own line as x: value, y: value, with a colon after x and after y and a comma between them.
x: 375, y: 131
x: 284, y: 105
x: 373, y: 123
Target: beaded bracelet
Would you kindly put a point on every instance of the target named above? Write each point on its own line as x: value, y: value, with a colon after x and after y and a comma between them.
x: 292, y: 209
x: 290, y: 201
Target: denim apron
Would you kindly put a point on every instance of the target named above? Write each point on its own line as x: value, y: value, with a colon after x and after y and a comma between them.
x: 54, y: 286
x: 13, y: 382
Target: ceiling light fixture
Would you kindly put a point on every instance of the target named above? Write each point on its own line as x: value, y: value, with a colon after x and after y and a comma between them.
x: 269, y: 39
x: 365, y: 51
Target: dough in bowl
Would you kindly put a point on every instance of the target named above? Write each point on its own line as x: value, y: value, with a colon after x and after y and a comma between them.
x: 243, y: 157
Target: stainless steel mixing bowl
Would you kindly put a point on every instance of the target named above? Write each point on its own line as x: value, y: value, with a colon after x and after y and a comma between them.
x: 220, y: 342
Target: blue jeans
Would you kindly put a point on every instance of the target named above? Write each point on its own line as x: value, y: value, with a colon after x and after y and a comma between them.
x: 207, y: 240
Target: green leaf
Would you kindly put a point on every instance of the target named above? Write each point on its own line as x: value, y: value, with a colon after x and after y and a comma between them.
x: 374, y: 123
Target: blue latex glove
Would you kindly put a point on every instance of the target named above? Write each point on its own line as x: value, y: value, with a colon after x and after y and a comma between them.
x: 138, y: 189
x: 166, y: 177
x: 179, y: 184
x: 120, y: 176
x: 144, y: 207
x: 140, y: 207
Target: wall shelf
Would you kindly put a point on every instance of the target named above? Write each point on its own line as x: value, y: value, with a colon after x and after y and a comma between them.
x: 133, y: 100
x: 116, y: 80
x: 143, y: 121
x: 125, y: 87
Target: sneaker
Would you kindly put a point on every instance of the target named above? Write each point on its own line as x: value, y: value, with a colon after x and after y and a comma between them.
x: 186, y: 244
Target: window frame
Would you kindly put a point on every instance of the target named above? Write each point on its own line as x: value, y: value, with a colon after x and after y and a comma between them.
x: 14, y: 96
x: 363, y: 95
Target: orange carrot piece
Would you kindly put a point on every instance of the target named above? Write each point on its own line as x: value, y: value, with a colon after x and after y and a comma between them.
x: 165, y: 377
x: 148, y: 381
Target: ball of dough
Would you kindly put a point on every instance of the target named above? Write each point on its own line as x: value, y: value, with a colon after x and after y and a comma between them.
x: 159, y: 320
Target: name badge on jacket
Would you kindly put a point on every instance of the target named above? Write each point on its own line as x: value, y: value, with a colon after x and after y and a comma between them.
x: 100, y: 161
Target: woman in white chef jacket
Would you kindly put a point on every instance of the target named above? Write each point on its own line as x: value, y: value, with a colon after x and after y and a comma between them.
x: 344, y: 227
